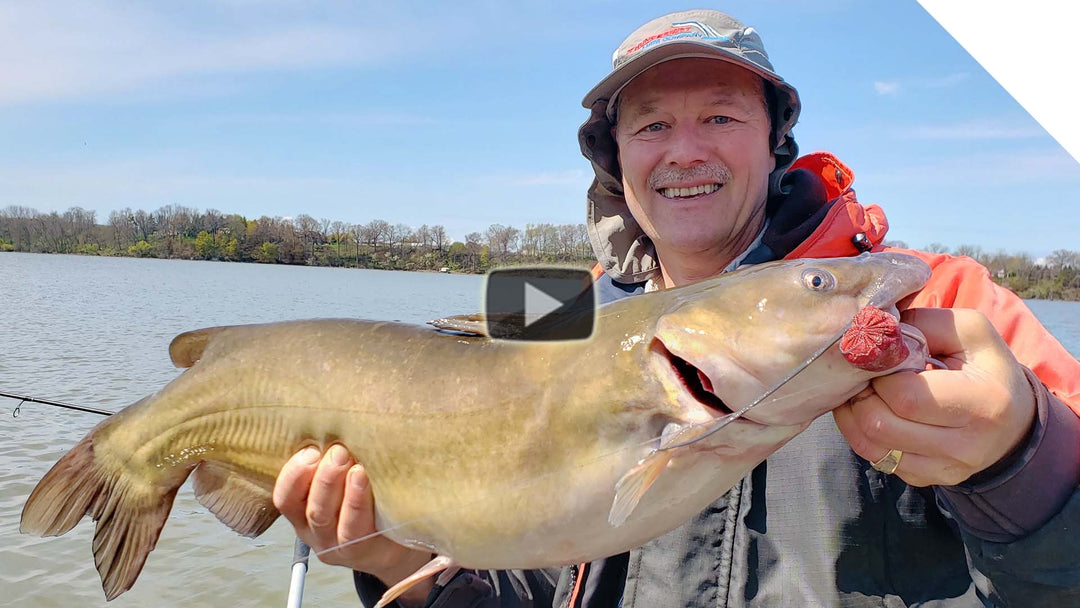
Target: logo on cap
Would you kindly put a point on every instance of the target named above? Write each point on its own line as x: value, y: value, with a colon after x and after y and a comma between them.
x: 539, y: 304
x: 679, y: 29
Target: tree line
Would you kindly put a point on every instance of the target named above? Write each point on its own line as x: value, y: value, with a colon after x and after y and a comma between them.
x: 1055, y: 277
x: 175, y: 231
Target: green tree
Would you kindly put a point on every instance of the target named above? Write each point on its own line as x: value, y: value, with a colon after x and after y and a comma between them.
x: 267, y: 253
x: 205, y: 246
x: 142, y: 249
x: 231, y: 249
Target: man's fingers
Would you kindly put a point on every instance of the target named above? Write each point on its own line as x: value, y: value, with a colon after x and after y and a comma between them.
x: 357, y: 518
x: 951, y: 331
x: 326, y: 494
x: 291, y: 489
x: 934, y: 397
x: 915, y: 468
x: 873, y: 429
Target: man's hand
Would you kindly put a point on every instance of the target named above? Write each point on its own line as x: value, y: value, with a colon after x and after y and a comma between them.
x: 328, y: 500
x: 950, y: 423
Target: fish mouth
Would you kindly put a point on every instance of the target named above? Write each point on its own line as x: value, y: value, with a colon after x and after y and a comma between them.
x: 695, y: 381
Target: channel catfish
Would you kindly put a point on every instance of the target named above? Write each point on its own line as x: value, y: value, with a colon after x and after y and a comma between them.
x: 493, y: 454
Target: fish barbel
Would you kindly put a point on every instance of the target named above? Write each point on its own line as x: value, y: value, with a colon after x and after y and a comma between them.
x: 494, y: 454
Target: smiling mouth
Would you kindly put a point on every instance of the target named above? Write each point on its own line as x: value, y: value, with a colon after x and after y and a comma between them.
x: 691, y: 192
x: 693, y: 379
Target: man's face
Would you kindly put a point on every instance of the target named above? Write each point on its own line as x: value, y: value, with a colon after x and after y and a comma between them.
x: 693, y: 137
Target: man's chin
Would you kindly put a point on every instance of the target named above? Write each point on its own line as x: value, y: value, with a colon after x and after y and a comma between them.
x: 690, y: 243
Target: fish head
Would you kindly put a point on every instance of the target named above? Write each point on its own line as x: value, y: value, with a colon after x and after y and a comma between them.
x: 724, y: 343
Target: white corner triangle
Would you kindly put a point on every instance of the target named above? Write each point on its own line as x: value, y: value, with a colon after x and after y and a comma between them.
x: 1035, y: 64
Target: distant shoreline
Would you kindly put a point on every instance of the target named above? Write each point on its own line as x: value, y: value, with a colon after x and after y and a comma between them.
x: 1064, y: 295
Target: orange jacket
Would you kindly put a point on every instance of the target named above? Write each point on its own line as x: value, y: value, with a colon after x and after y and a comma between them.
x: 956, y: 282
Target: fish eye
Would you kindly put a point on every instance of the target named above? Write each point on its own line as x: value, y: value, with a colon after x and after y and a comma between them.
x: 816, y: 279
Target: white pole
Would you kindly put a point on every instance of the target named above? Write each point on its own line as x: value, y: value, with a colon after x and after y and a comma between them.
x: 299, y: 571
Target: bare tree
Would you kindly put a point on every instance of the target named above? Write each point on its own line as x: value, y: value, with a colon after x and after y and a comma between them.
x: 340, y: 233
x: 82, y: 224
x: 473, y: 248
x: 1063, y: 258
x: 972, y: 251
x: 423, y: 237
x: 308, y: 231
x: 213, y: 220
x: 145, y: 224
x: 438, y: 237
x: 358, y: 232
x: 502, y: 240
x: 376, y: 231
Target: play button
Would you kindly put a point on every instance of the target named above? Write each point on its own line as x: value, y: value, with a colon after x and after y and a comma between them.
x: 539, y: 304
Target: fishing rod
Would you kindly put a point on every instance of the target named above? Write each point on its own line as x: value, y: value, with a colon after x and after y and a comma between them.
x: 71, y: 406
x: 300, y: 549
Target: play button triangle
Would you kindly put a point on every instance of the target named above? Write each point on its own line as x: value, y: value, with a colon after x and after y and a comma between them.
x: 538, y: 304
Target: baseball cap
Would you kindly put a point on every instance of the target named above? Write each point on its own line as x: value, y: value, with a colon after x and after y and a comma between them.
x: 695, y: 33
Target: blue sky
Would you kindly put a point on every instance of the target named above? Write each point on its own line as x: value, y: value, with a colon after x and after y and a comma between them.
x: 465, y: 114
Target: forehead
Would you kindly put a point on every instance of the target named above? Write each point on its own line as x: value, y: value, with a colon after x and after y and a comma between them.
x: 716, y: 80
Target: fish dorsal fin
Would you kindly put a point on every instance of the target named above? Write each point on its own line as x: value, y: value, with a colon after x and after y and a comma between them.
x: 188, y: 347
x: 241, y: 500
x: 475, y: 324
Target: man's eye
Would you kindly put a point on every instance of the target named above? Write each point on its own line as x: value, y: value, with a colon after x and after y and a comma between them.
x: 653, y: 128
x: 720, y: 120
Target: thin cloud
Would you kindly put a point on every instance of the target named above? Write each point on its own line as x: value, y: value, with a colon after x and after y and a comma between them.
x: 893, y: 87
x: 94, y: 49
x: 886, y: 88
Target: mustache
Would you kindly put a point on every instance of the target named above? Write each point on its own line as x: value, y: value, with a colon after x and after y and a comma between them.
x: 663, y: 176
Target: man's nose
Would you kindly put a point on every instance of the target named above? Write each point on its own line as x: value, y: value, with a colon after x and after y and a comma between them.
x: 689, y: 146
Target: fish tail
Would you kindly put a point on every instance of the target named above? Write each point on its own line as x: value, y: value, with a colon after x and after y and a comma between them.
x: 129, y: 514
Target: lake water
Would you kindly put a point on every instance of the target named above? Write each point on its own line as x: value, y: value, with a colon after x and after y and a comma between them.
x: 94, y: 331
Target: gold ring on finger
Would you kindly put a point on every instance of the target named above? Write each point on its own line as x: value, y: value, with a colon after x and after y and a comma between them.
x: 888, y: 462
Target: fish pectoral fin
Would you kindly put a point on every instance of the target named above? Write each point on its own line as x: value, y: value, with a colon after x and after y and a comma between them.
x: 632, y: 486
x: 240, y: 499
x: 187, y: 348
x: 435, y: 566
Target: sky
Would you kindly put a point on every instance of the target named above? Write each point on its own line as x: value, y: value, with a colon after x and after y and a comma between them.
x: 465, y: 114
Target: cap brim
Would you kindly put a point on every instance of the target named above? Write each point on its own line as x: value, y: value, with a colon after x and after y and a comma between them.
x: 610, y: 86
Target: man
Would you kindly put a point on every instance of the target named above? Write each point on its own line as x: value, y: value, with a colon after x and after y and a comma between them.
x: 952, y: 487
